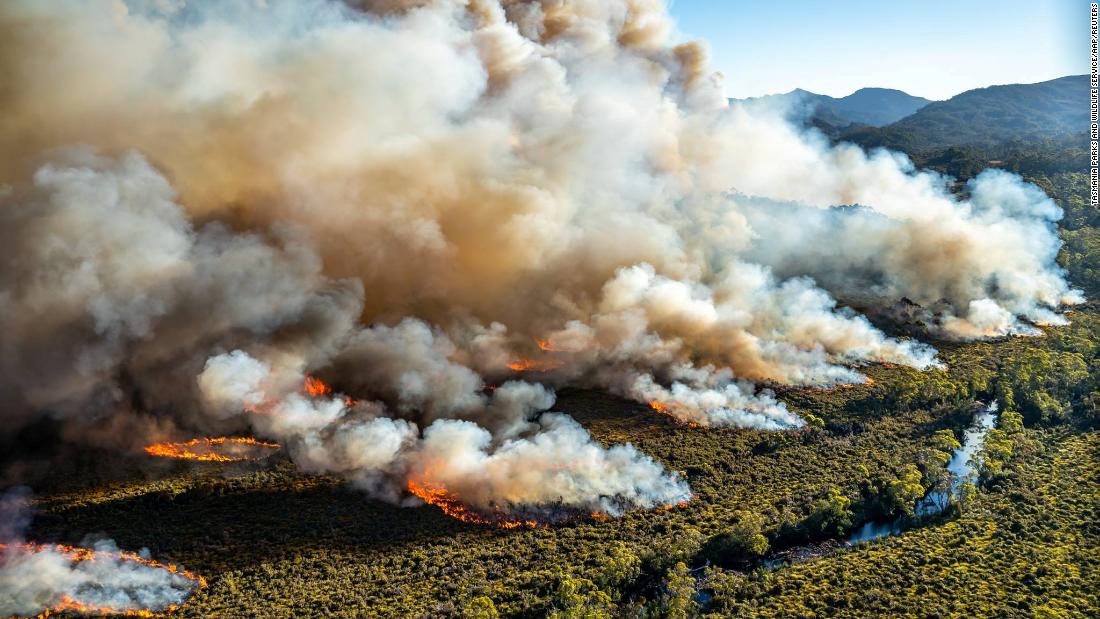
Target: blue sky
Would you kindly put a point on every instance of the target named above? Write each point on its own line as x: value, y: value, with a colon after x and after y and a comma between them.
x: 934, y: 48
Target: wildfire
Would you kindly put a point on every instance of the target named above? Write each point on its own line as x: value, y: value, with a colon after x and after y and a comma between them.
x: 663, y: 409
x: 315, y: 387
x: 540, y: 365
x: 220, y: 449
x: 534, y: 365
x: 437, y: 495
x: 76, y: 554
x: 548, y: 345
x: 312, y: 386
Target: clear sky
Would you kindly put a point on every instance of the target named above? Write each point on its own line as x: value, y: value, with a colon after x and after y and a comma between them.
x: 931, y: 48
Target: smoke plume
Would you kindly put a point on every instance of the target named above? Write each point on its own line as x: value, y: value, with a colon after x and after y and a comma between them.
x: 554, y: 463
x: 423, y: 199
x: 36, y: 578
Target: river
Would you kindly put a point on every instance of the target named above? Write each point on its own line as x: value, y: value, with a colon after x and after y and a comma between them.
x: 962, y: 471
x: 961, y: 467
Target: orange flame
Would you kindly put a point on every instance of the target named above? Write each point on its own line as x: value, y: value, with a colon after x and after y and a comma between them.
x: 78, y: 555
x: 671, y: 506
x: 315, y: 387
x: 205, y: 449
x: 437, y: 495
x: 663, y: 409
x: 534, y: 365
x: 312, y: 386
x: 548, y: 345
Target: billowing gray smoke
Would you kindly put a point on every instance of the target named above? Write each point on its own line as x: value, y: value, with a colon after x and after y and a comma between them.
x: 418, y: 199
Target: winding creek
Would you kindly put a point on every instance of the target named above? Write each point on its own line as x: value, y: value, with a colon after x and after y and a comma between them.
x: 962, y: 469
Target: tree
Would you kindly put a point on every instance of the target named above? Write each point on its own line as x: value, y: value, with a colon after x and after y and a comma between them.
x: 1040, y: 383
x: 480, y: 607
x: 944, y: 441
x: 964, y: 496
x: 663, y: 553
x: 679, y: 598
x: 579, y: 598
x: 741, y: 541
x: 1011, y: 422
x: 619, y: 568
x: 830, y: 514
x: 996, y: 451
x: 936, y: 460
x: 904, y: 491
x: 1000, y: 443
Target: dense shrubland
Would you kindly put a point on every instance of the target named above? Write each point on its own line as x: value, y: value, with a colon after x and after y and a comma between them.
x: 1027, y: 547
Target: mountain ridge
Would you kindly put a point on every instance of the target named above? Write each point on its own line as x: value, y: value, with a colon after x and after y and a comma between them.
x: 870, y: 105
x: 988, y: 116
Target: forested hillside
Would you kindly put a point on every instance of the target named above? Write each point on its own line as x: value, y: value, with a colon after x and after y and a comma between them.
x: 1017, y: 114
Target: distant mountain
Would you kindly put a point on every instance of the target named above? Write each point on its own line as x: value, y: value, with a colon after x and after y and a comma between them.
x: 993, y: 116
x: 867, y: 106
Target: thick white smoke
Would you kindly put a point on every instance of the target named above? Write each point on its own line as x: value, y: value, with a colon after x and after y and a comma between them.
x: 36, y: 578
x: 554, y: 186
x: 554, y: 464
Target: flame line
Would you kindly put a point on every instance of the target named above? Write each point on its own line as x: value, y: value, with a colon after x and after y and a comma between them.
x: 77, y: 554
x: 185, y: 450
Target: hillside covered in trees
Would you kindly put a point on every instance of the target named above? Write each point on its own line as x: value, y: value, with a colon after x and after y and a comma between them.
x: 1014, y: 114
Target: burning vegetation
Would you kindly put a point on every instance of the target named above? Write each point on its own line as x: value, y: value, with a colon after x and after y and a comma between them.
x: 218, y: 449
x: 534, y: 365
x: 437, y: 495
x: 315, y: 387
x: 94, y: 581
x: 664, y: 409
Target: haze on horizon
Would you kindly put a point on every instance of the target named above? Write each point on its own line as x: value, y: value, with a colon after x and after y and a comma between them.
x: 934, y: 49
